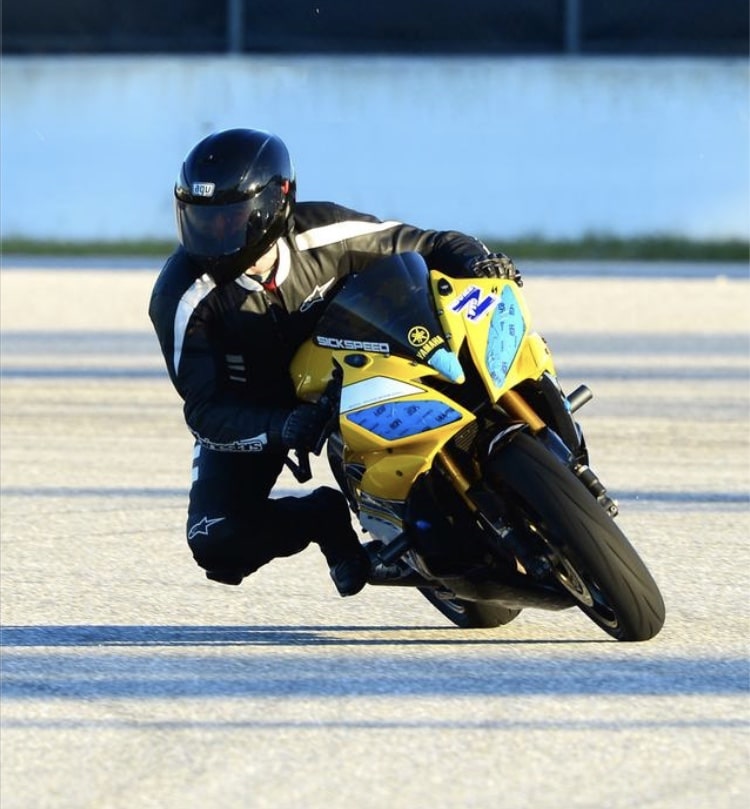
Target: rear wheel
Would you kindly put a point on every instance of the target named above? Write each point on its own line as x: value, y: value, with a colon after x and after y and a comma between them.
x: 580, y: 546
x: 469, y: 614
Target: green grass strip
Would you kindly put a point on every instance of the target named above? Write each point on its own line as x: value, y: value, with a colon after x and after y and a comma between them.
x: 647, y: 248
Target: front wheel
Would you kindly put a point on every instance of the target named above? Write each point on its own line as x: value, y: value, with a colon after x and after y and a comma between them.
x: 581, y: 547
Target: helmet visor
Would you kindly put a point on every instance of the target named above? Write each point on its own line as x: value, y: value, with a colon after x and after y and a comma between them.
x: 212, y: 231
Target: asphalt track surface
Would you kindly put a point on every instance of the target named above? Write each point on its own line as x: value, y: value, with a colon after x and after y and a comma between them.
x: 128, y: 680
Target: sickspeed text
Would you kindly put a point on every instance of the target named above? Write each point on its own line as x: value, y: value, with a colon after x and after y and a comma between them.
x: 353, y: 345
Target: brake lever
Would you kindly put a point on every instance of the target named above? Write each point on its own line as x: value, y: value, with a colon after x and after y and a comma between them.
x: 301, y: 469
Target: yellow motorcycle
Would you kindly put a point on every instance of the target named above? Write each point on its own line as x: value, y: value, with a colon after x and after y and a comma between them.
x: 457, y: 450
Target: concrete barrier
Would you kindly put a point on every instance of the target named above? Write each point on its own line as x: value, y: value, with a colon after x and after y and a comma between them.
x: 499, y: 147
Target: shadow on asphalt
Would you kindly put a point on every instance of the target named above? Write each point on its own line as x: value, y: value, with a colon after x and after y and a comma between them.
x: 116, y: 635
x: 92, y: 663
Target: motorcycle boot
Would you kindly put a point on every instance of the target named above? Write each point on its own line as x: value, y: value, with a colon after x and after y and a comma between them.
x: 348, y: 561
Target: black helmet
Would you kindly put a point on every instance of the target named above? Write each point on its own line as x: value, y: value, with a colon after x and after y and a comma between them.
x: 233, y: 200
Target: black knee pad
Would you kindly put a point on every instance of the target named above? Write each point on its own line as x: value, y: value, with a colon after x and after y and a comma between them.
x: 220, y: 547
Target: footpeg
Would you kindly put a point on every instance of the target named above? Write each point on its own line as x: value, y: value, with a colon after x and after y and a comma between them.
x: 386, y: 566
x: 394, y: 550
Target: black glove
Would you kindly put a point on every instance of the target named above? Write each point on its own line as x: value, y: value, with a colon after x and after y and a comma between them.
x: 307, y: 426
x: 496, y: 265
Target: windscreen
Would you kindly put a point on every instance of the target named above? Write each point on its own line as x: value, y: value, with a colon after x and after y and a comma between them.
x: 387, y: 308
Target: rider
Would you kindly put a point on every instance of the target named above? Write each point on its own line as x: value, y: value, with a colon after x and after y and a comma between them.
x: 232, y: 304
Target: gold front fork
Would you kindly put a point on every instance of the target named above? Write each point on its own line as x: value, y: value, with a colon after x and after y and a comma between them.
x: 460, y: 482
x: 515, y: 405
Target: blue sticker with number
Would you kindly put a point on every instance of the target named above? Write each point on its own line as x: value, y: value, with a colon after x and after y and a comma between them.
x: 394, y: 420
x: 506, y: 332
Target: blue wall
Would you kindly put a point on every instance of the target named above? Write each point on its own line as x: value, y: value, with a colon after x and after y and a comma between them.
x: 90, y: 146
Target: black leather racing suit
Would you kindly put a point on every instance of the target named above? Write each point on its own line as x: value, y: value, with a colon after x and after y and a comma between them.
x: 228, y: 348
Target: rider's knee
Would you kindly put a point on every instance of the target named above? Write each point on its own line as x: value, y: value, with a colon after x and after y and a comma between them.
x: 220, y: 548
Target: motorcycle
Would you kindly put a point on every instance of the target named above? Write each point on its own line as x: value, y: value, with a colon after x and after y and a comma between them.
x: 459, y: 453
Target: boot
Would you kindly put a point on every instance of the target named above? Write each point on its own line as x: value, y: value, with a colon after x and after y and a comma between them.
x: 351, y: 575
x: 348, y: 561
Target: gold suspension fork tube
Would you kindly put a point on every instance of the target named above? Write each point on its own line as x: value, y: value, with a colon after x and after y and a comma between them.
x: 516, y: 406
x: 460, y: 483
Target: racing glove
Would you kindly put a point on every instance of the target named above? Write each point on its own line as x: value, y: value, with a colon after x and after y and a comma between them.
x: 307, y: 426
x: 496, y: 265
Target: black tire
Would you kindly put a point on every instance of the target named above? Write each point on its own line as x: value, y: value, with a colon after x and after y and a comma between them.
x: 470, y: 614
x: 590, y: 557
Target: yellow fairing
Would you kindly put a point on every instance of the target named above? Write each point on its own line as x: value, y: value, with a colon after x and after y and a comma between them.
x: 491, y: 316
x: 392, y: 425
x: 311, y: 370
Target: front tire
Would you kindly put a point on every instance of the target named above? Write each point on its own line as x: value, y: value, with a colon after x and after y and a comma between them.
x: 585, y: 552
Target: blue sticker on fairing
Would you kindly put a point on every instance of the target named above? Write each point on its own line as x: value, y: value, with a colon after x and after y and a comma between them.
x: 394, y: 420
x: 506, y: 332
x: 446, y: 363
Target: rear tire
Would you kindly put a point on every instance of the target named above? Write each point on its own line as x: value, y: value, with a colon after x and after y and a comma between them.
x: 588, y: 555
x: 470, y: 614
